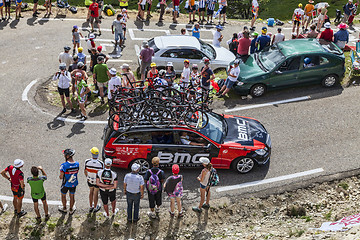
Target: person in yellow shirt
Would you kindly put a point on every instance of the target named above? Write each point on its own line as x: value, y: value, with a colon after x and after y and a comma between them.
x: 309, y: 9
x: 192, y: 11
x: 124, y: 4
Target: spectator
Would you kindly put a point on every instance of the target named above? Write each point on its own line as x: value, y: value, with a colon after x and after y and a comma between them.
x: 81, y: 57
x: 160, y: 81
x: 141, y: 9
x: 194, y: 82
x: 16, y: 178
x: 93, y: 59
x: 83, y: 75
x: 218, y: 37
x: 183, y: 31
x: 170, y: 74
x: 68, y: 174
x: 176, y: 10
x: 191, y: 10
x: 210, y: 10
x: 279, y: 37
x: 124, y: 18
x: 341, y: 38
x: 233, y: 74
x: 92, y: 167
x: 196, y: 31
x: 163, y: 5
x: 76, y: 38
x: 328, y: 33
x: 107, y: 181
x: 90, y: 43
x: 124, y: 4
x: 240, y: 34
x: 117, y: 29
x: 128, y: 76
x: 113, y: 83
x: 82, y: 92
x: 7, y: 9
x: 18, y: 4
x: 94, y: 15
x: 1, y: 10
x: 309, y: 10
x: 146, y: 55
x: 106, y: 58
x: 353, y: 13
x: 202, y: 4
x: 101, y: 3
x: 253, y: 42
x: 313, y: 33
x: 233, y: 44
x: 148, y: 8
x: 348, y: 8
x: 35, y: 12
x: 308, y: 63
x: 206, y: 74
x: 64, y: 78
x: 223, y: 5
x: 134, y: 191
x: 152, y: 73
x: 204, y: 185
x: 154, y: 179
x: 262, y: 41
x: 65, y: 57
x: 73, y: 66
x: 255, y: 12
x: 243, y: 47
x: 38, y: 192
x: 101, y: 76
x: 298, y: 18
x: 321, y: 18
x: 185, y: 75
x: 47, y: 6
x: 174, y: 189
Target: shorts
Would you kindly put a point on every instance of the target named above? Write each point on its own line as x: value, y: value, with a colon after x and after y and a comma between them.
x: 209, y: 12
x: 36, y: 1
x: 321, y: 17
x: 296, y: 23
x: 76, y: 41
x: 202, y: 186
x: 92, y: 185
x: 143, y: 67
x: 42, y: 199
x: 142, y: 7
x: 192, y: 9
x: 64, y: 190
x: 97, y: 20
x: 155, y: 199
x: 18, y: 2
x: 18, y: 193
x: 229, y: 83
x: 103, y: 85
x: 63, y: 91
x: 223, y: 10
x: 201, y: 9
x: 148, y: 6
x: 307, y: 17
x: 176, y: 9
x: 7, y: 4
x: 125, y: 7
x: 119, y: 35
x: 106, y: 195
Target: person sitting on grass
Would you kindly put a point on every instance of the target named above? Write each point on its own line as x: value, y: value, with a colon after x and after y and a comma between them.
x: 233, y: 74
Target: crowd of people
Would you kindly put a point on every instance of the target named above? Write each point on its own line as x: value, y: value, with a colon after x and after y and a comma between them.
x: 102, y: 181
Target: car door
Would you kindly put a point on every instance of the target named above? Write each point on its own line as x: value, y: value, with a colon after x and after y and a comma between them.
x: 174, y: 56
x: 286, y: 74
x: 315, y: 71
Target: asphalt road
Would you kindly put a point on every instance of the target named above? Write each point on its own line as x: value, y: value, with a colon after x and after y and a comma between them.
x: 318, y: 133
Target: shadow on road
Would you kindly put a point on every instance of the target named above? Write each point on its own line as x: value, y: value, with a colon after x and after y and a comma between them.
x: 76, y: 129
x: 55, y: 123
x: 14, y: 23
x: 3, y: 24
x: 30, y: 21
x: 13, y: 228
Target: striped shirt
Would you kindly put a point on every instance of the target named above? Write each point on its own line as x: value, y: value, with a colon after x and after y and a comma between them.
x: 133, y: 182
x: 202, y: 3
x: 92, y: 166
x: 211, y: 4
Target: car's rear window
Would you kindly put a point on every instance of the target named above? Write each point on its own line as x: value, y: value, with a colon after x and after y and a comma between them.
x: 330, y: 47
x: 152, y: 44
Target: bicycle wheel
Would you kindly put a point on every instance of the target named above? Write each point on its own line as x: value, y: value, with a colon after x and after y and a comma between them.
x: 120, y: 121
x: 196, y: 119
x: 160, y: 117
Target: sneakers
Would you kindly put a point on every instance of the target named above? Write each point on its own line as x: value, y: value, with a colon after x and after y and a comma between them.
x: 91, y: 209
x: 105, y: 215
x: 83, y: 118
x: 22, y: 213
x: 181, y: 214
x: 38, y: 220
x: 5, y: 206
x: 157, y: 209
x: 206, y: 206
x: 116, y: 211
x: 97, y: 208
x: 171, y: 213
x: 63, y: 111
x: 71, y: 212
x: 151, y: 215
x: 61, y: 209
x: 47, y: 217
x: 196, y: 209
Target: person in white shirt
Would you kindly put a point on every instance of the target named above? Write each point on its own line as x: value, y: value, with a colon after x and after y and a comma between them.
x: 65, y: 57
x: 298, y: 18
x: 185, y: 75
x: 113, y: 82
x: 255, y: 12
x: 217, y: 36
x: 233, y: 74
x: 279, y: 37
x: 160, y: 81
x: 64, y: 78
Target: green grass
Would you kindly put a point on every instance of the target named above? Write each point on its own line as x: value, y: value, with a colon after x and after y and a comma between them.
x: 344, y: 185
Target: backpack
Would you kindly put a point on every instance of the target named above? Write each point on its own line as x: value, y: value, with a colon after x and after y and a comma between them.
x: 73, y: 9
x: 214, y: 178
x: 154, y: 185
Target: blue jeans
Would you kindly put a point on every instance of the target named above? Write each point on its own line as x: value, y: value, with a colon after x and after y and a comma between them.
x: 133, y: 201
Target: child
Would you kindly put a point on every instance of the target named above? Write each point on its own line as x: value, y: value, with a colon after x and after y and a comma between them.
x: 76, y: 38
x: 202, y: 4
x: 210, y: 10
x: 196, y: 31
x: 253, y: 42
x: 194, y: 81
x: 176, y: 4
x: 38, y: 192
x: 174, y: 188
x: 141, y: 10
x: 90, y: 43
x: 185, y: 75
x: 125, y: 18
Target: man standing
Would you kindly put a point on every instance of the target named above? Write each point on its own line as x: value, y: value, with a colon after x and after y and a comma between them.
x: 16, y: 178
x: 223, y: 4
x: 64, y: 78
x: 348, y: 8
x: 255, y: 12
x: 298, y: 18
x: 233, y: 74
x: 309, y: 9
x: 101, y: 76
x: 146, y: 55
x: 117, y: 29
x: 35, y: 12
x: 65, y: 57
x: 217, y: 36
x: 107, y: 181
x: 262, y: 41
x: 68, y: 174
x: 163, y: 5
x: 206, y: 74
x: 134, y: 190
x: 92, y: 166
x: 94, y: 15
x: 154, y: 179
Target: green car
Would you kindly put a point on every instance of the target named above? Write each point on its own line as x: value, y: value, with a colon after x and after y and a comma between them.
x: 282, y: 65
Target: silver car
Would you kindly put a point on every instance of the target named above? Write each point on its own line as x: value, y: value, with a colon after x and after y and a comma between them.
x: 177, y: 48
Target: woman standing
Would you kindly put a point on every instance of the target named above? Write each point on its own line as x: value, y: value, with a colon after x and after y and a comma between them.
x: 170, y: 74
x: 64, y: 78
x: 128, y: 76
x: 174, y: 188
x: 204, y: 186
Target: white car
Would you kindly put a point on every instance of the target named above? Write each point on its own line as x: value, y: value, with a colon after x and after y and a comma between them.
x: 177, y: 48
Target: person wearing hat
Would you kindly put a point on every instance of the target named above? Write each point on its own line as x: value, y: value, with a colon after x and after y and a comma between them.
x: 125, y: 18
x: 107, y: 181
x: 134, y: 191
x: 160, y: 80
x: 309, y: 10
x: 253, y: 42
x: 82, y: 94
x: 174, y: 188
x: 278, y: 37
x: 90, y: 43
x: 94, y: 15
x: 114, y: 82
x: 15, y: 176
x: 233, y: 74
x: 341, y: 37
x: 146, y: 55
x: 76, y: 37
x: 64, y: 78
x: 298, y: 18
x: 128, y: 78
x: 101, y: 54
x: 328, y: 33
x: 218, y: 37
x: 196, y: 31
x: 69, y: 175
x: 81, y: 56
x: 348, y: 8
x: 75, y: 61
x: 170, y: 74
x: 206, y: 74
x: 117, y: 29
x: 101, y: 76
x: 80, y: 68
x: 321, y: 17
x: 65, y: 57
x: 203, y: 178
x: 255, y: 12
x: 263, y: 40
x: 185, y: 75
x: 152, y: 73
x: 92, y: 167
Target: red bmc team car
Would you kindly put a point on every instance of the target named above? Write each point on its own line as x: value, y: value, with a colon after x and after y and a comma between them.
x: 228, y: 141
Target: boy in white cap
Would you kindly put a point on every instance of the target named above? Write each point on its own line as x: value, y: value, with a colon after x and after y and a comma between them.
x: 107, y: 181
x: 134, y: 190
x: 16, y: 178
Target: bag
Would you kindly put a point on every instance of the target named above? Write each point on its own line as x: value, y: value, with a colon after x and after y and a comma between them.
x: 154, y: 185
x: 214, y: 178
x: 60, y: 4
x: 109, y: 10
x: 73, y: 9
x: 221, y: 83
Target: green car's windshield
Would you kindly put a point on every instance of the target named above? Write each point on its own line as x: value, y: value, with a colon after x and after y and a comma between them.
x: 215, y: 128
x: 208, y: 50
x: 270, y: 57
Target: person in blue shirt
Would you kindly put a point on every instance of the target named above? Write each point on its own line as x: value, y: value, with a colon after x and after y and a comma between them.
x: 68, y: 174
x: 348, y: 8
x: 262, y: 41
x: 196, y: 31
x: 253, y: 42
x: 342, y: 36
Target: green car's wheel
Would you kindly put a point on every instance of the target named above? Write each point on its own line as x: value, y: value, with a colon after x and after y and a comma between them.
x: 258, y: 90
x: 329, y: 80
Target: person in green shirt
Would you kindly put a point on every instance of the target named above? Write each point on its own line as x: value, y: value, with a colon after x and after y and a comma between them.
x: 36, y: 183
x: 82, y: 93
x: 101, y: 76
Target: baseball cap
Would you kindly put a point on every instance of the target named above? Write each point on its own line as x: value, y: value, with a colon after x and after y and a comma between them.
x: 135, y: 167
x: 145, y: 44
x: 62, y: 66
x: 99, y: 48
x: 153, y: 64
x: 300, y: 5
x: 169, y: 64
x: 80, y: 49
x: 255, y: 34
x: 92, y: 36
x: 237, y: 61
x: 67, y: 48
x: 175, y: 169
x: 219, y: 27
x: 80, y: 64
x: 18, y: 163
x: 94, y: 152
x: 204, y: 160
x: 186, y: 61
x: 125, y: 65
x: 107, y: 162
x: 112, y: 71
x: 195, y: 66
x: 75, y: 26
x: 124, y: 10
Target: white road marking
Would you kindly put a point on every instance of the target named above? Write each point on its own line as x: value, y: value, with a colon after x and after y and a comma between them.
x: 137, y: 50
x: 96, y: 29
x: 28, y: 200
x: 27, y: 89
x: 269, y: 104
x: 270, y: 180
x: 120, y: 60
x: 79, y: 121
x: 38, y: 47
x: 100, y: 40
x: 132, y: 35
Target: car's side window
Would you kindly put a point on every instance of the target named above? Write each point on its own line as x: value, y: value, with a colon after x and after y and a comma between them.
x: 197, y: 54
x: 170, y: 53
x: 189, y: 138
x: 134, y: 138
x: 294, y: 64
x: 162, y: 137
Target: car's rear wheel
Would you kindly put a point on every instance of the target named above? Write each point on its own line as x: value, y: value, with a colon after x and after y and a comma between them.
x: 243, y: 165
x: 329, y: 80
x: 258, y: 90
x: 144, y: 165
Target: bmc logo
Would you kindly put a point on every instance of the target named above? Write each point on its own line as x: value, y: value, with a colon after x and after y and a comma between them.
x: 180, y: 157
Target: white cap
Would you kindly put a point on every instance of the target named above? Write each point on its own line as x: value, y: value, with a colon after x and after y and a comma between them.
x: 125, y: 65
x: 112, y: 71
x: 327, y: 25
x: 18, y: 163
x: 108, y: 162
x: 169, y: 64
x: 204, y: 160
x: 135, y: 167
x: 92, y: 36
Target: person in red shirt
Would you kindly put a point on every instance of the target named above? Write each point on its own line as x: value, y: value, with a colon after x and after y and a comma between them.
x: 94, y: 15
x: 327, y: 34
x: 243, y: 47
x: 16, y: 178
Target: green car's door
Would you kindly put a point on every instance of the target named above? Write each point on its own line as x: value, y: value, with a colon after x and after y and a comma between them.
x: 315, y: 71
x: 286, y: 74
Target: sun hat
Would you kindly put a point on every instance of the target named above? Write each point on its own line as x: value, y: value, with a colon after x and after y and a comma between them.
x: 112, y: 71
x: 327, y: 25
x: 135, y: 167
x: 219, y: 27
x: 92, y: 36
x: 18, y: 163
x: 108, y: 162
x: 175, y: 169
x: 169, y: 64
x: 204, y: 160
x: 125, y: 65
x: 342, y: 26
x: 153, y: 64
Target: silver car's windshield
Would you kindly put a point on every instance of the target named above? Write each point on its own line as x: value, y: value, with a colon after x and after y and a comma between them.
x: 208, y: 50
x: 271, y: 57
x: 215, y: 128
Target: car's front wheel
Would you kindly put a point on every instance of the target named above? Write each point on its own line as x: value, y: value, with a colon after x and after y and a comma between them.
x: 258, y: 90
x: 243, y: 165
x: 329, y: 80
x: 144, y: 165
